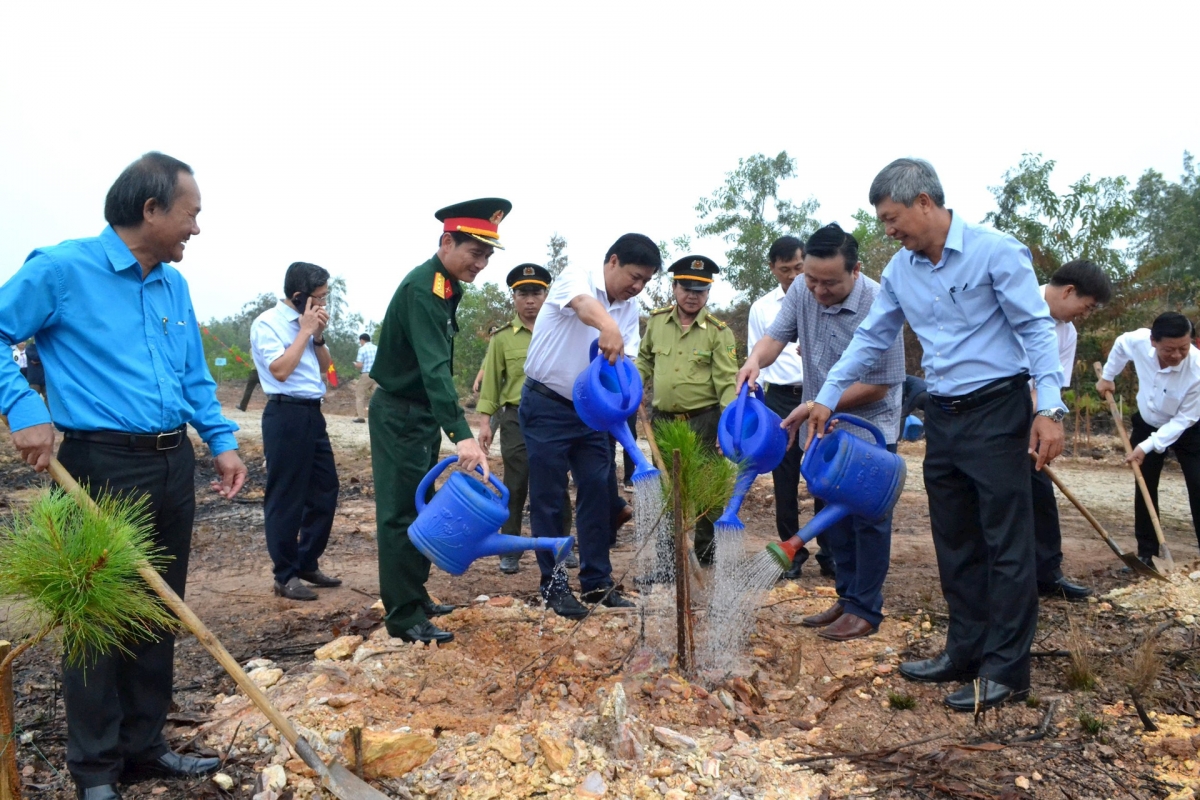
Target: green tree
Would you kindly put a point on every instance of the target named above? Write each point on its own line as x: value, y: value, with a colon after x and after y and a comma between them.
x: 875, y: 248
x: 1090, y: 221
x: 1168, y: 237
x: 229, y: 338
x: 484, y: 307
x: 557, y: 250
x: 739, y: 212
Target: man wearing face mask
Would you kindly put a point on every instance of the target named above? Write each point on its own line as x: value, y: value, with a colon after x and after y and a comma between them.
x: 291, y: 357
x: 1168, y: 402
x: 416, y: 401
x: 689, y: 358
x: 503, y: 375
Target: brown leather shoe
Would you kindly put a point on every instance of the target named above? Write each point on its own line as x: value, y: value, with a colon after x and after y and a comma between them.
x: 623, y: 516
x: 847, y: 627
x: 826, y: 617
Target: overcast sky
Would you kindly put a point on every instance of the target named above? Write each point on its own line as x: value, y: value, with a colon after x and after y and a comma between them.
x: 331, y: 132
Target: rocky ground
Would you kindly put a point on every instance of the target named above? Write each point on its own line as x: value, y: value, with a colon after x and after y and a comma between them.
x: 524, y: 704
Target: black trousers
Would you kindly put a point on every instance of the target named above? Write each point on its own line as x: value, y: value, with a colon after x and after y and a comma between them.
x: 1187, y: 450
x: 1047, y: 534
x: 302, y: 486
x: 251, y: 385
x: 116, y: 707
x: 783, y: 400
x: 981, y: 511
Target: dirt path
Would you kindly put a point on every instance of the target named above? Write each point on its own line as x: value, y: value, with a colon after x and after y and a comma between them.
x: 230, y: 588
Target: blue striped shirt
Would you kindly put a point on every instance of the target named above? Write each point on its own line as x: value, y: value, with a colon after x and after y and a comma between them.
x: 120, y: 353
x: 978, y: 313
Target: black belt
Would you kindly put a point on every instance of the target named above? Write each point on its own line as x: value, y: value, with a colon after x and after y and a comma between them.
x: 546, y: 391
x: 786, y: 388
x: 134, y: 441
x: 298, y: 401
x: 686, y: 415
x: 984, y: 394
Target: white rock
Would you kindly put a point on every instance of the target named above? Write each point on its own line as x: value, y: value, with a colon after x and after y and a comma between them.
x: 223, y: 780
x: 483, y: 598
x: 593, y: 786
x: 265, y: 677
x: 259, y: 663
x: 274, y: 777
x: 673, y: 740
x: 1195, y: 575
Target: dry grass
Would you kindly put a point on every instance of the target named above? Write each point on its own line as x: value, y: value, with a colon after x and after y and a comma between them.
x: 1145, y: 667
x: 1081, y: 672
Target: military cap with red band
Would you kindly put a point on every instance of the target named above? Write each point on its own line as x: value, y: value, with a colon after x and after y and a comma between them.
x: 530, y: 276
x: 694, y: 273
x: 479, y: 219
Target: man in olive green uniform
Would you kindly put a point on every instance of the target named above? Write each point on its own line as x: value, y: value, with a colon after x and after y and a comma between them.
x: 500, y: 394
x: 690, y: 357
x: 416, y: 398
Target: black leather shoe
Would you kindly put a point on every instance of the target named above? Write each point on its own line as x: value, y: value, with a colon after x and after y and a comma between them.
x: 613, y: 599
x: 173, y: 765
x: 828, y: 570
x: 318, y: 578
x: 433, y: 609
x: 935, y: 670
x: 1061, y: 587
x: 510, y: 563
x: 104, y: 792
x: 991, y: 694
x: 294, y: 590
x: 427, y: 632
x: 564, y: 604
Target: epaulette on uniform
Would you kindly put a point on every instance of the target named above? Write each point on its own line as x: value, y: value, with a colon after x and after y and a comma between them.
x: 663, y: 310
x: 720, y: 325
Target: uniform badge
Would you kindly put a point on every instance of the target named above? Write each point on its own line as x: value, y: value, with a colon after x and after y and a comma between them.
x: 528, y: 271
x: 439, y: 285
x: 698, y: 265
x: 495, y: 218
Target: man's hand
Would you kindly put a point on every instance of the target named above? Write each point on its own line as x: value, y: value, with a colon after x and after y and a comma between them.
x: 1046, y: 440
x: 818, y: 416
x: 611, y: 343
x: 1105, y: 387
x: 231, y: 472
x: 1136, y: 456
x: 748, y: 373
x: 485, y: 434
x: 478, y: 382
x: 794, y: 420
x: 314, y: 319
x: 36, y: 444
x: 471, y: 455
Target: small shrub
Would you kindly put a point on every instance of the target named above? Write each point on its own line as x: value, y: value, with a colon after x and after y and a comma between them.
x: 1032, y: 700
x: 901, y: 701
x: 1089, y: 724
x: 1081, y: 673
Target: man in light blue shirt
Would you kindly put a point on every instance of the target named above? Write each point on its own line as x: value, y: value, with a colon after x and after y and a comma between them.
x: 364, y: 387
x: 288, y: 346
x: 126, y: 375
x: 971, y: 296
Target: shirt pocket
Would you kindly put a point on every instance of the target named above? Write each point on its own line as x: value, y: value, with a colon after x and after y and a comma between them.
x: 701, y: 357
x: 514, y: 361
x: 1171, y: 401
x: 175, y: 346
x: 975, y: 304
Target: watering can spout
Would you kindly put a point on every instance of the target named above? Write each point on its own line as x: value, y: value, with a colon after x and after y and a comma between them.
x: 785, y: 552
x: 498, y: 544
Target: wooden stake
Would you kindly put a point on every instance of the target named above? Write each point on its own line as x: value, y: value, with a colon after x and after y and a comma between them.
x: 683, y: 601
x: 10, y: 780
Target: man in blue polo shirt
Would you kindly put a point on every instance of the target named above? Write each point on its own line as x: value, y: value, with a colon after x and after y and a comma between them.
x: 126, y: 375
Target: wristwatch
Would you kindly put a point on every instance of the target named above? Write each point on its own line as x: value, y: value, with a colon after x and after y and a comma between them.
x: 319, y: 342
x: 1055, y: 414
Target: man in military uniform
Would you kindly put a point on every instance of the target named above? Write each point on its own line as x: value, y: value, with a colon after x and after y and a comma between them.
x: 500, y: 394
x: 416, y: 398
x: 690, y: 356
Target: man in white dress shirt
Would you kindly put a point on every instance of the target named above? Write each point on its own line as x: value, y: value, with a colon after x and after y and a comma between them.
x: 784, y: 381
x: 1168, y: 401
x: 582, y: 301
x: 288, y: 345
x: 365, y: 386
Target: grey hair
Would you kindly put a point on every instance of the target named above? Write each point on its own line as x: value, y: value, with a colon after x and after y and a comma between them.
x: 904, y: 179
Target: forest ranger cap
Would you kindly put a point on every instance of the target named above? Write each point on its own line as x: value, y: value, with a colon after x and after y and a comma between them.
x: 694, y: 273
x: 479, y: 219
x: 532, y: 275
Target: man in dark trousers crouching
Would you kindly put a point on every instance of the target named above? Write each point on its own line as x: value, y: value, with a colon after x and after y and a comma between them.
x: 288, y: 345
x: 121, y: 346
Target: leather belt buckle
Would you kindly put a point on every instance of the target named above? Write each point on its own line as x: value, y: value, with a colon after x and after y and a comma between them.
x: 175, y: 437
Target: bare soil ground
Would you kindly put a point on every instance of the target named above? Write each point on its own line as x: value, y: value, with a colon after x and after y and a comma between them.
x: 836, y: 706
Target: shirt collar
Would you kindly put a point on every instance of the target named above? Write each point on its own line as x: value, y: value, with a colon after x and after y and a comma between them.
x: 517, y: 325
x: 287, y: 312
x: 699, y: 321
x: 954, y: 241
x: 121, y: 258
x: 440, y: 267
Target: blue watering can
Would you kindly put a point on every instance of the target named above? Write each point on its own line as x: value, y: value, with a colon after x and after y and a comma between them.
x: 852, y: 476
x: 606, y: 396
x: 913, y: 428
x: 749, y: 435
x: 462, y: 522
